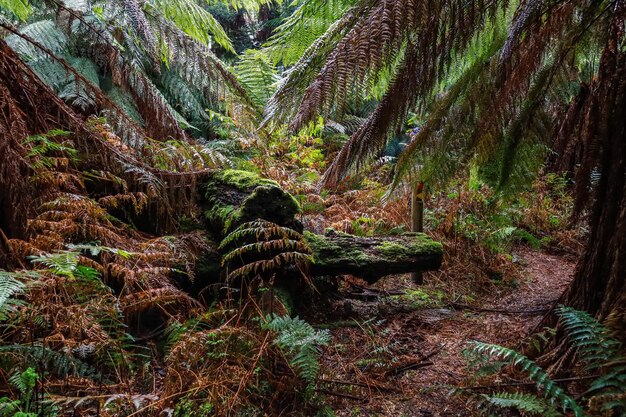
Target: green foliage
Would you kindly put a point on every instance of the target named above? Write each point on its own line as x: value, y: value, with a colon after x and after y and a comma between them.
x: 596, y: 350
x: 257, y: 75
x: 303, y: 27
x: 57, y: 363
x: 11, y: 285
x: 25, y: 382
x: 552, y: 392
x: 300, y: 342
x: 43, y: 147
x: 21, y: 9
x: 194, y: 20
x: 263, y: 249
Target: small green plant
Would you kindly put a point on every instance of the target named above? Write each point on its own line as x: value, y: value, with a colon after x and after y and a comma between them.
x: 595, y: 349
x: 25, y: 382
x: 300, y: 342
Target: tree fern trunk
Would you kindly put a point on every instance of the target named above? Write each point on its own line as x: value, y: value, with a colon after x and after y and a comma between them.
x: 599, y: 285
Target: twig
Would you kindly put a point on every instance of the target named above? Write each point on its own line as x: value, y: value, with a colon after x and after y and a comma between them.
x: 339, y: 394
x: 358, y: 384
x: 496, y: 310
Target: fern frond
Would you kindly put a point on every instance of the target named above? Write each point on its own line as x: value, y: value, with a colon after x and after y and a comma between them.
x: 552, y: 392
x: 593, y: 341
x: 278, y: 262
x: 303, y: 27
x: 526, y: 403
x: 46, y: 33
x: 301, y: 342
x: 259, y: 230
x: 9, y: 287
x: 257, y: 75
x: 194, y: 21
x: 21, y: 9
x: 58, y: 363
x: 266, y: 246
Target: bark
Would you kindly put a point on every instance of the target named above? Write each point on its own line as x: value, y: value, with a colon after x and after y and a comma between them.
x: 371, y: 258
x: 599, y: 285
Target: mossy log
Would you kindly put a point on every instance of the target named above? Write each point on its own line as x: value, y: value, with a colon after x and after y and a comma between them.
x: 371, y: 258
x: 233, y: 197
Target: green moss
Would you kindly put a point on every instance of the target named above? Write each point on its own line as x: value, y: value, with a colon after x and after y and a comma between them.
x: 421, y: 298
x: 236, y: 197
x: 242, y: 180
x: 266, y: 202
x: 421, y: 244
x: 220, y: 214
x: 341, y: 249
x: 393, y: 250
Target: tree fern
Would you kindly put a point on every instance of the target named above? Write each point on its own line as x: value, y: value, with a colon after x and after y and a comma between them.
x: 303, y: 27
x: 193, y: 20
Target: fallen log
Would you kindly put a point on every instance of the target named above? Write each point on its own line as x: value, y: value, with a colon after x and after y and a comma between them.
x: 233, y: 197
x: 371, y: 258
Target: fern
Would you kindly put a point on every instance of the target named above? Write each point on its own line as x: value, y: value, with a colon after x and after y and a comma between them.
x: 194, y: 21
x: 527, y: 403
x: 594, y: 344
x: 21, y: 9
x: 257, y: 75
x: 552, y: 392
x: 596, y: 349
x: 262, y: 248
x: 10, y: 286
x: 58, y: 363
x: 300, y: 342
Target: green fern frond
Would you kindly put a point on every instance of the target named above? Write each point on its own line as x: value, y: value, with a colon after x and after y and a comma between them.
x: 46, y: 33
x: 259, y: 230
x: 10, y: 285
x: 300, y: 342
x: 276, y: 263
x: 21, y: 9
x: 303, y: 27
x: 194, y: 21
x: 266, y: 246
x: 526, y: 403
x: 58, y: 363
x: 552, y: 392
x: 593, y: 341
x: 257, y: 75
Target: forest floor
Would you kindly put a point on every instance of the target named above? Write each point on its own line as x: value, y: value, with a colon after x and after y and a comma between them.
x: 401, y: 354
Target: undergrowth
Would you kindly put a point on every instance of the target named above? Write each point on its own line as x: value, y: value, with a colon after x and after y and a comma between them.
x: 599, y: 359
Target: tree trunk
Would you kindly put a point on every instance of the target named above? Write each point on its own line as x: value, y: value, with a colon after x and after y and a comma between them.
x: 599, y: 285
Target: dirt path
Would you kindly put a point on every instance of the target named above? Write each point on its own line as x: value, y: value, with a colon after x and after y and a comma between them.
x: 382, y: 351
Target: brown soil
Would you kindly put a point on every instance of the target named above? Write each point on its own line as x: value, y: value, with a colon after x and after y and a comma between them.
x: 399, y: 357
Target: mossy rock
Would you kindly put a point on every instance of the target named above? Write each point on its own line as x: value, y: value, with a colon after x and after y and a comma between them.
x: 234, y: 197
